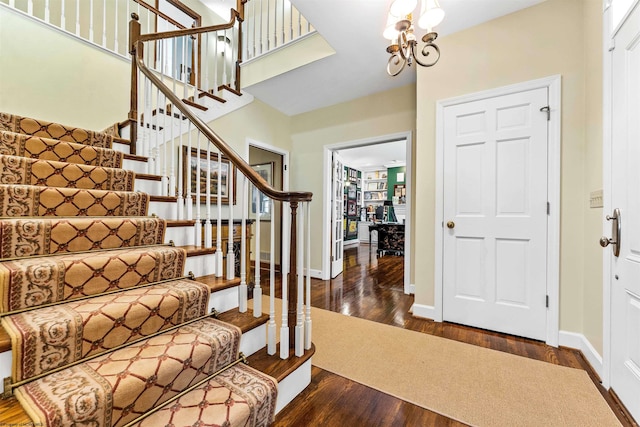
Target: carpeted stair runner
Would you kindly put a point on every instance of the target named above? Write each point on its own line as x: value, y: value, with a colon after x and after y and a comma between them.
x: 30, y: 282
x: 114, y: 389
x: 49, y: 173
x: 31, y: 200
x: 47, y: 338
x: 248, y: 397
x: 89, y: 276
x: 15, y: 144
x: 21, y: 237
x: 29, y: 126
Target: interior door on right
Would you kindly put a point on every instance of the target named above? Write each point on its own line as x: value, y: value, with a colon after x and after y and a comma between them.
x: 495, y: 213
x: 337, y: 215
x: 625, y: 167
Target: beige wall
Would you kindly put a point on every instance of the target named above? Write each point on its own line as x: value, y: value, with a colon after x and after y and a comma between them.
x: 54, y: 77
x: 543, y: 40
x: 373, y: 116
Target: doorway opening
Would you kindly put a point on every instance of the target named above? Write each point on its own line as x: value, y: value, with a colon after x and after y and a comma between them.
x: 368, y: 206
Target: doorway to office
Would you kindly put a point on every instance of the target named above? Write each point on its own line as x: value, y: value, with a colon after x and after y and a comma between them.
x: 368, y: 184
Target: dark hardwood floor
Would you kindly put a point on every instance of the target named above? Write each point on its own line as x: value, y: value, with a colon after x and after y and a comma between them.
x: 371, y: 288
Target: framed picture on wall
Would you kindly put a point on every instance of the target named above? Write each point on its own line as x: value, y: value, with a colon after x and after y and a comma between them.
x: 265, y: 170
x: 351, y: 208
x: 194, y: 179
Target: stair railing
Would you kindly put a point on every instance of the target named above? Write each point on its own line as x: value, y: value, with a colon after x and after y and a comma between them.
x: 271, y: 24
x: 210, y: 171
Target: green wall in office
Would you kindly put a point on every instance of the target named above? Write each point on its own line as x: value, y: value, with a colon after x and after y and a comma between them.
x: 392, y: 179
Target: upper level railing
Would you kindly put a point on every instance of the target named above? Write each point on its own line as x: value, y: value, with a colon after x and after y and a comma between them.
x: 210, y: 172
x: 270, y: 24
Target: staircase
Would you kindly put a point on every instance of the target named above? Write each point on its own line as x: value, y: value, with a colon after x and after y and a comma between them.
x: 104, y: 319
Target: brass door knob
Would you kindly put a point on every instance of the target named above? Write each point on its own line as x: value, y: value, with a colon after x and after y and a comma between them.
x: 451, y: 224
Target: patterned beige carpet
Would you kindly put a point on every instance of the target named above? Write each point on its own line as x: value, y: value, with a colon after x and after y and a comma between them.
x: 471, y: 384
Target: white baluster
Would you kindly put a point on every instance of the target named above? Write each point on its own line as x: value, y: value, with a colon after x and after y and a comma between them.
x: 231, y: 256
x: 104, y: 23
x: 208, y: 233
x: 282, y: 41
x: 12, y: 3
x: 224, y: 60
x: 30, y: 7
x: 290, y: 21
x: 63, y: 18
x: 261, y: 37
x: 271, y: 326
x: 157, y: 133
x: 189, y: 199
x: 168, y: 151
x: 257, y: 290
x: 242, y: 289
x: 284, y: 326
x: 219, y: 256
x: 299, y: 331
x: 268, y: 24
x: 47, y: 12
x: 206, y: 63
x: 185, y: 81
x: 77, y: 17
x: 115, y: 26
x: 179, y: 185
x: 216, y: 82
x: 91, y: 21
x: 307, y: 322
x: 198, y: 225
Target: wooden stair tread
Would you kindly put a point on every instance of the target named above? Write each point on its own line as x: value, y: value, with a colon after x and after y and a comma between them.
x: 212, y: 96
x: 119, y: 140
x: 12, y: 414
x: 218, y: 283
x: 148, y: 176
x: 244, y: 321
x: 172, y: 199
x: 276, y: 367
x: 5, y: 343
x: 195, y: 104
x: 230, y: 89
x: 193, y: 250
x: 180, y: 222
x: 135, y: 157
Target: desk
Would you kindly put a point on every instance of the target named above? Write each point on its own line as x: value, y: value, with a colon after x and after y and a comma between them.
x: 390, y: 238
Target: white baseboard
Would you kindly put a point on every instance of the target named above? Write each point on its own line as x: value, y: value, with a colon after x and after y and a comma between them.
x: 350, y: 243
x: 316, y: 274
x: 424, y: 311
x: 412, y: 289
x: 580, y: 342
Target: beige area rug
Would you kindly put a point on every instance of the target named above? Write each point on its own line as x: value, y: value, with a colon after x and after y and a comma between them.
x: 470, y: 384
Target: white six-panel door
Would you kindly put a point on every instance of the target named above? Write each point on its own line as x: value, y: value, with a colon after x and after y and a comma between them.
x: 625, y: 168
x: 495, y: 213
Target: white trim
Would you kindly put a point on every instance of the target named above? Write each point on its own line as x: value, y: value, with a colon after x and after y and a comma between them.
x: 423, y: 311
x: 326, y: 191
x: 606, y: 193
x: 286, y: 212
x: 553, y: 84
x: 293, y: 384
x: 316, y: 274
x: 278, y: 48
x: 349, y: 243
x: 580, y: 342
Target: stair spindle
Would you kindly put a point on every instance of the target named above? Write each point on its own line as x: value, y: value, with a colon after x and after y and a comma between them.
x: 47, y: 12
x: 307, y: 322
x: 187, y: 175
x: 271, y: 326
x: 208, y: 232
x: 299, y: 331
x: 116, y: 32
x: 179, y: 177
x: 231, y: 256
x: 219, y: 258
x: 30, y: 7
x: 198, y: 224
x: 90, y: 20
x: 104, y: 23
x: 242, y: 289
x: 257, y: 290
x: 284, y: 325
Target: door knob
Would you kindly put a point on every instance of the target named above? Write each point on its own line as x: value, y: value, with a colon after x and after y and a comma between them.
x: 451, y: 224
x: 615, y: 233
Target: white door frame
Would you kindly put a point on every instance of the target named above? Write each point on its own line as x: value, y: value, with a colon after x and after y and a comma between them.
x: 409, y: 288
x: 286, y: 213
x: 553, y: 84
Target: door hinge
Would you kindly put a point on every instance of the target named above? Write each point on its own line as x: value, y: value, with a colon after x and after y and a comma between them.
x: 285, y: 167
x: 548, y: 208
x: 547, y: 110
x: 547, y: 301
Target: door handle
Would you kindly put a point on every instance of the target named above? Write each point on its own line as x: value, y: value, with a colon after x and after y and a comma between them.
x: 451, y: 224
x: 615, y: 233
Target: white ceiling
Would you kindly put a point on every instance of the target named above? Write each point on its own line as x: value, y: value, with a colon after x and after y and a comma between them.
x: 369, y: 157
x: 359, y: 66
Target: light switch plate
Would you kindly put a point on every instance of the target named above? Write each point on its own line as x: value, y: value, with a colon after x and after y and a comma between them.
x: 595, y: 199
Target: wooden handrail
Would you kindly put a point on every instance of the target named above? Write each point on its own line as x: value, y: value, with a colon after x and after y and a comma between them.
x: 244, y: 167
x: 190, y: 31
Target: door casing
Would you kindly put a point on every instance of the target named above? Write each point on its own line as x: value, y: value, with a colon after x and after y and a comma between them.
x: 553, y: 84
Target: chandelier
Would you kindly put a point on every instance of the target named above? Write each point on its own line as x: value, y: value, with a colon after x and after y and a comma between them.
x: 404, y: 47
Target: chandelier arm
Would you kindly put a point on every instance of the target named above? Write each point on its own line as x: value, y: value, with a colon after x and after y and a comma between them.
x: 393, y: 62
x: 403, y: 45
x: 425, y: 52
